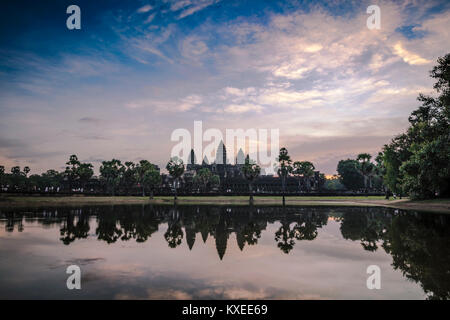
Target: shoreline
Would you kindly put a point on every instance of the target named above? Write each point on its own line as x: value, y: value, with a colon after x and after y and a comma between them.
x: 436, y: 205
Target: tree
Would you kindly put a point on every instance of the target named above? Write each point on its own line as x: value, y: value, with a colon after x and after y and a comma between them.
x: 26, y: 171
x: 427, y: 171
x: 334, y: 183
x: 2, y: 175
x: 305, y: 170
x: 85, y: 172
x: 214, y: 181
x: 350, y: 174
x: 152, y: 179
x: 176, y: 169
x: 129, y: 176
x: 251, y: 171
x: 394, y: 154
x: 284, y: 169
x: 417, y: 161
x: 112, y: 172
x: 51, y: 178
x: 141, y: 169
x: 72, y: 170
x: 17, y: 177
x: 366, y: 167
x: 205, y: 178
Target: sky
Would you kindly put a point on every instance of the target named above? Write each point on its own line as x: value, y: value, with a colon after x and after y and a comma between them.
x: 138, y: 70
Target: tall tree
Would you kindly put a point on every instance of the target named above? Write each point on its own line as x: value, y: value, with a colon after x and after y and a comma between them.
x: 112, y: 172
x: 129, y: 176
x: 366, y: 167
x: 284, y: 169
x: 176, y: 169
x: 72, y: 170
x: 85, y: 172
x: 17, y: 178
x: 152, y: 179
x: 251, y: 171
x: 141, y: 169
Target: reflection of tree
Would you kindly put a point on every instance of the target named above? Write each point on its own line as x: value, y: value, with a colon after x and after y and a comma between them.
x: 363, y: 225
x: 174, y: 233
x: 305, y: 228
x: 420, y: 248
x: 71, y: 231
x: 285, y: 237
x: 107, y: 229
x: 251, y: 233
x: 307, y: 225
x: 418, y: 243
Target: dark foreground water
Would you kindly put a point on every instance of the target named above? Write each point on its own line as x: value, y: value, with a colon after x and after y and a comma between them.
x: 206, y: 252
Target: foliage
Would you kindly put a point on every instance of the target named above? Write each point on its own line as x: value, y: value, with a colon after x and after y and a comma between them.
x: 304, y: 169
x: 151, y: 179
x: 350, y: 174
x: 251, y: 171
x: 285, y: 168
x: 176, y: 169
x: 417, y: 161
x: 112, y: 172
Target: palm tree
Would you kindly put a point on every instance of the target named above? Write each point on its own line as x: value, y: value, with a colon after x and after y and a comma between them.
x: 366, y: 169
x: 176, y: 169
x: 285, y: 168
x: 141, y: 168
x: 250, y: 171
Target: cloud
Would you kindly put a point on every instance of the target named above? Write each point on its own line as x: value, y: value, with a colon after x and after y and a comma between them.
x: 313, y: 74
x: 150, y: 18
x: 145, y: 9
x: 236, y: 108
x: 169, y: 105
x: 408, y: 56
x: 191, y: 7
x: 90, y: 120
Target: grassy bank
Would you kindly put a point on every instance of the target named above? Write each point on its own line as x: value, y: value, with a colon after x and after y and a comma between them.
x: 439, y: 205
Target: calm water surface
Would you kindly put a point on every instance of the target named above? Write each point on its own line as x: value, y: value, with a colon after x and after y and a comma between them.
x: 237, y: 252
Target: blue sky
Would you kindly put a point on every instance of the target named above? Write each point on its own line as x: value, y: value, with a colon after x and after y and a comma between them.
x: 137, y: 70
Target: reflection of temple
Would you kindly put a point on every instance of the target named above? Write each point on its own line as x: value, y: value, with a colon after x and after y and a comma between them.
x: 419, y: 243
x: 232, y: 180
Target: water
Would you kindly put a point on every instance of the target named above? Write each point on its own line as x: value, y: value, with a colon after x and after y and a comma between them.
x: 236, y: 252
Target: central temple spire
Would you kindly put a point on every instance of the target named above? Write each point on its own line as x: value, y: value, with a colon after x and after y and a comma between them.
x: 221, y: 154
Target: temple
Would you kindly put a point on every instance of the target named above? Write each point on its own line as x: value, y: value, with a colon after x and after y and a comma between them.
x: 232, y: 180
